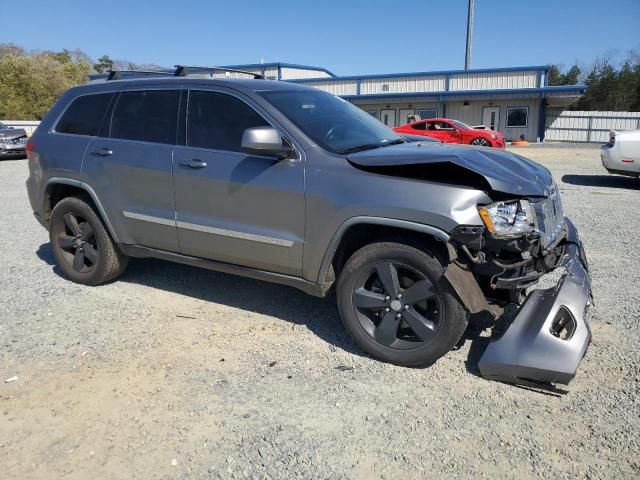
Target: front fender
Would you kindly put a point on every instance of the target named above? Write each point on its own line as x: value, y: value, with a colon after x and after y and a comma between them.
x: 434, y: 232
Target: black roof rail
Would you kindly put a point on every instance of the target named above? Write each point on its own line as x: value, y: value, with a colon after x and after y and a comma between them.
x: 119, y: 74
x: 184, y: 70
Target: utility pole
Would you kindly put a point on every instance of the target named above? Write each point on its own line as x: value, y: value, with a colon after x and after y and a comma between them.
x: 467, y: 58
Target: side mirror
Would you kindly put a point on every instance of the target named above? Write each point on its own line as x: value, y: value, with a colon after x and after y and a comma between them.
x: 265, y: 141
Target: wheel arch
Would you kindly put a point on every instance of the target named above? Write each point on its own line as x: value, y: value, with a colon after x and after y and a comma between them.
x: 58, y: 188
x: 356, y: 232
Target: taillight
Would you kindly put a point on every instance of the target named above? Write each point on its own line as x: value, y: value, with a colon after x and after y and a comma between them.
x: 30, y: 149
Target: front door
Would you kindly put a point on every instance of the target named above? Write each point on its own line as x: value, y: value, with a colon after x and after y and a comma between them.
x: 232, y: 206
x: 443, y: 131
x: 491, y: 117
x: 388, y: 117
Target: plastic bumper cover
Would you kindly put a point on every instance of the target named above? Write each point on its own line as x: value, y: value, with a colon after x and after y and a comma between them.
x: 549, y: 336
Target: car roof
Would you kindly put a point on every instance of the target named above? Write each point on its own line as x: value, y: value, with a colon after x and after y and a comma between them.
x: 433, y: 120
x: 237, y: 83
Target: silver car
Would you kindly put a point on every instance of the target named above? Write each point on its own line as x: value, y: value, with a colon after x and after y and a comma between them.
x: 286, y: 183
x: 12, y: 142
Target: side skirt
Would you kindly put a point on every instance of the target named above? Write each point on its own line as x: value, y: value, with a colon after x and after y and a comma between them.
x: 315, y: 289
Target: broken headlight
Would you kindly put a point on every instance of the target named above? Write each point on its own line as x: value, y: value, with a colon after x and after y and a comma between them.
x: 508, y: 219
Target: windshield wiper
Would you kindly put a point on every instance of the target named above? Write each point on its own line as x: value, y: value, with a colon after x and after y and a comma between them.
x: 361, y: 148
x: 370, y: 146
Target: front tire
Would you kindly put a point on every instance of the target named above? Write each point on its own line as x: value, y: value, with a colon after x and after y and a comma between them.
x: 397, y: 306
x: 480, y: 142
x: 81, y: 245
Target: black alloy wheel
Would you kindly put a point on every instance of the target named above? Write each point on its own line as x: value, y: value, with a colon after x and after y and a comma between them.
x: 397, y: 305
x: 81, y: 244
x: 77, y: 242
x: 480, y: 142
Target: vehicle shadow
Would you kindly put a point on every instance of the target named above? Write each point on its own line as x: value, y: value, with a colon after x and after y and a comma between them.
x: 320, y: 315
x: 610, y: 181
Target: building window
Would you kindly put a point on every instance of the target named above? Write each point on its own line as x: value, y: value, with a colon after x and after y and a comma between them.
x: 426, y: 113
x: 373, y: 113
x: 517, y: 117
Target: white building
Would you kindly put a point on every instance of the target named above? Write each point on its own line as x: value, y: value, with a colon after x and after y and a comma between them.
x: 511, y: 100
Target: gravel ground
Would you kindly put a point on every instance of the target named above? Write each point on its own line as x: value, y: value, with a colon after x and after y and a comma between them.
x: 175, y: 372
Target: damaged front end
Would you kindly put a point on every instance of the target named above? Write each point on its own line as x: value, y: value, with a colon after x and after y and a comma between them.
x: 547, y: 339
x: 522, y: 236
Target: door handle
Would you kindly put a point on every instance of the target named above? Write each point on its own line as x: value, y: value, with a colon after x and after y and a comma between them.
x: 195, y: 163
x: 102, y: 152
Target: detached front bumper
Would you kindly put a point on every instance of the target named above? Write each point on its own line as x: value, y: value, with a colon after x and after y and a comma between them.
x: 549, y: 336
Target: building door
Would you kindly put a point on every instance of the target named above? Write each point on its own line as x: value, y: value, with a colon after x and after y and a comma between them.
x: 491, y: 117
x: 388, y: 117
x: 407, y: 115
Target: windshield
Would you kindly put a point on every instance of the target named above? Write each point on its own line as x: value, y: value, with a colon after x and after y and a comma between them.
x: 460, y: 125
x: 2, y: 125
x: 331, y: 122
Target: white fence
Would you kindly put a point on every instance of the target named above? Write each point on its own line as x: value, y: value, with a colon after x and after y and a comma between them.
x: 28, y: 125
x: 581, y: 126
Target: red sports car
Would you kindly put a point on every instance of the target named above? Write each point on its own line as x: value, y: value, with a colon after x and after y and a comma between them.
x: 453, y: 131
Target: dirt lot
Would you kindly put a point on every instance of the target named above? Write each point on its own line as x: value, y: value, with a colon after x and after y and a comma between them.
x: 175, y: 372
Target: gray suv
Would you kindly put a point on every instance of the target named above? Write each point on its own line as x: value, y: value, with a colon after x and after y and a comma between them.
x: 286, y: 183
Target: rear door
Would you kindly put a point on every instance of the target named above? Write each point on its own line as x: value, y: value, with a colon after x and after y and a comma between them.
x: 131, y: 166
x: 232, y: 206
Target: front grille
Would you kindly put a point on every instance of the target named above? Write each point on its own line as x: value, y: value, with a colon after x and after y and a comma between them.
x: 14, y: 141
x: 550, y: 217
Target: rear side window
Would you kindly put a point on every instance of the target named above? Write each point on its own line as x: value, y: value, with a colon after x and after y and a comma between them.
x: 84, y: 115
x: 147, y: 116
x: 217, y: 120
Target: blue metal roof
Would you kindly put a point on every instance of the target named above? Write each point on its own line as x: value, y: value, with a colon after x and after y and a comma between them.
x: 571, y: 89
x: 534, y: 68
x: 280, y: 64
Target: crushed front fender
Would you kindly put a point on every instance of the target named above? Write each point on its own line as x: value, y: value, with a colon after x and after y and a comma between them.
x: 549, y: 335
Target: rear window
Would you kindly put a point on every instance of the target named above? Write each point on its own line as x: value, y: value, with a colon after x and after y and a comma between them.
x: 84, y: 115
x: 147, y: 116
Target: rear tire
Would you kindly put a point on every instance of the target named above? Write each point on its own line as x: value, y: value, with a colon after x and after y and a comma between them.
x: 81, y: 245
x: 397, y: 306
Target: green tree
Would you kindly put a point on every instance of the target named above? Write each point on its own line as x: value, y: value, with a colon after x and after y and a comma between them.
x: 104, y: 64
x: 572, y: 77
x: 30, y: 84
x: 555, y: 76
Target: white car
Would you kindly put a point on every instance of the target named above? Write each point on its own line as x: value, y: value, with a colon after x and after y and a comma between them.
x: 622, y: 154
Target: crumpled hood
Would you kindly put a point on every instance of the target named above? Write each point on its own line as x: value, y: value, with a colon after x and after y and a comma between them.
x: 505, y: 172
x: 11, y: 133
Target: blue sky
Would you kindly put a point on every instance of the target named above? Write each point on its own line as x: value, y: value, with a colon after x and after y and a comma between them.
x: 348, y: 37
